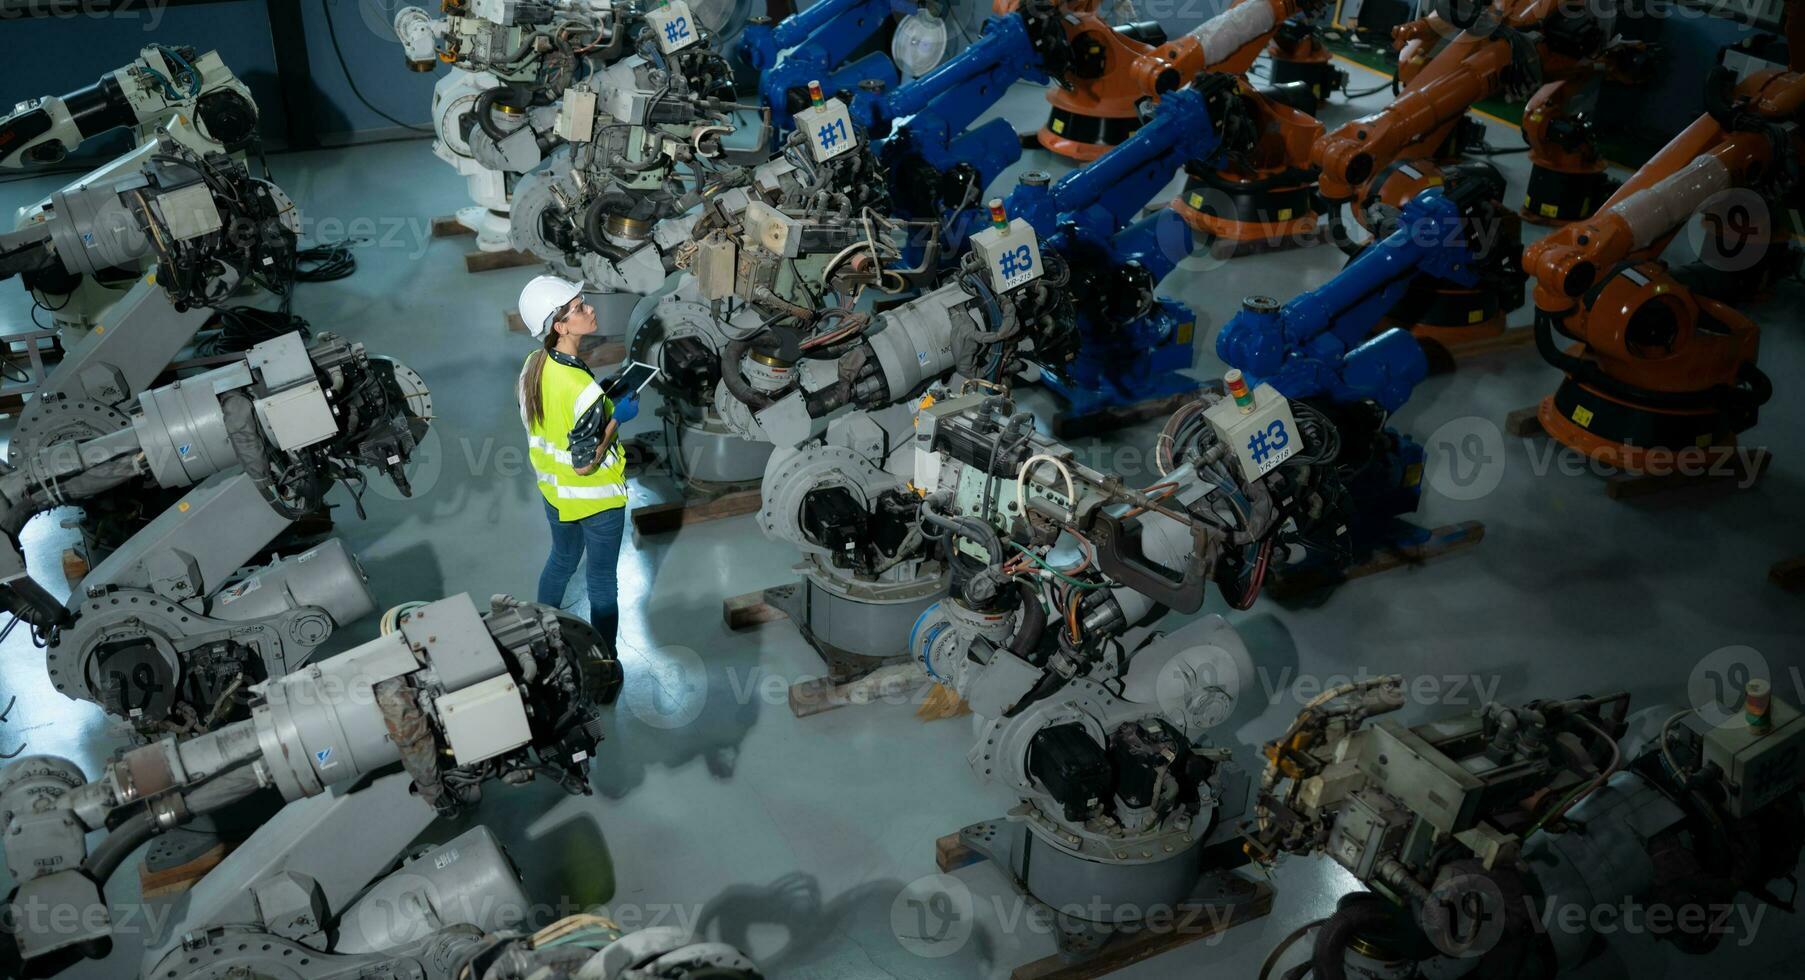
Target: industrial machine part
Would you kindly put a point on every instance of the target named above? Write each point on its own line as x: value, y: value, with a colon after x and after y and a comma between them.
x: 817, y: 44
x: 592, y: 947
x: 207, y: 224
x: 493, y: 113
x: 216, y: 110
x: 1445, y: 266
x: 1660, y: 367
x: 1058, y: 575
x: 1261, y: 187
x: 1008, y: 306
x: 1112, y: 71
x: 170, y: 630
x: 755, y: 255
x: 1133, y: 344
x: 643, y: 138
x: 369, y: 747
x: 937, y: 160
x: 1514, y: 48
x: 1475, y: 832
x: 1298, y: 54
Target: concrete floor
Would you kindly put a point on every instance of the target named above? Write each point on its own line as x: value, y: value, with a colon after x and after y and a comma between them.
x: 795, y: 838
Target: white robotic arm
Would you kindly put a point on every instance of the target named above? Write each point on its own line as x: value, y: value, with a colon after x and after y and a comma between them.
x: 451, y: 699
x: 162, y: 83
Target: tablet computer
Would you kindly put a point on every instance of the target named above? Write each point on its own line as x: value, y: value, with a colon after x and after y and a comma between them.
x: 637, y: 375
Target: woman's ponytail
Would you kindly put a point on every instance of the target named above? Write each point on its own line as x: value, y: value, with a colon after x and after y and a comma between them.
x: 532, y: 392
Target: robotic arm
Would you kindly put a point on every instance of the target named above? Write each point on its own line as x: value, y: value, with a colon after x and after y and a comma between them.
x: 1112, y: 70
x: 375, y: 742
x: 1517, y: 45
x: 1321, y: 342
x: 165, y: 630
x: 937, y: 160
x: 1660, y: 365
x: 163, y: 83
x: 818, y: 39
x: 204, y: 219
x: 644, y: 146
x: 1460, y: 828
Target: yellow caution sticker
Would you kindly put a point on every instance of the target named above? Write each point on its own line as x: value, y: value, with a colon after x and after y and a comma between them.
x: 1550, y: 210
x: 183, y: 506
x: 1184, y: 331
x: 1435, y: 182
x: 1413, y: 474
x: 1527, y: 203
x: 1285, y: 214
x: 1582, y: 416
x: 1476, y: 316
x: 1703, y: 440
x: 1197, y: 201
x: 1058, y: 126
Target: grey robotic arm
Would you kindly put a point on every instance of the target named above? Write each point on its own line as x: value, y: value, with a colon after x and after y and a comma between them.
x: 203, y: 218
x: 450, y: 700
x: 162, y: 83
x: 154, y: 631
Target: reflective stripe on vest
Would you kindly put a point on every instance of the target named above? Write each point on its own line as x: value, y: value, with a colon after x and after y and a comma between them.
x: 565, y: 393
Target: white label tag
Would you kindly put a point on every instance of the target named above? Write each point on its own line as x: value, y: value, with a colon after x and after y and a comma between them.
x: 674, y: 26
x: 829, y: 129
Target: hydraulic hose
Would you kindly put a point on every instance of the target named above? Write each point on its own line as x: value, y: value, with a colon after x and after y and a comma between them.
x: 1362, y: 912
x: 485, y: 104
x: 1034, y: 621
x: 731, y: 355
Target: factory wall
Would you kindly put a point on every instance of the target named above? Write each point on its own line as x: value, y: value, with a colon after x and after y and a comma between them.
x: 79, y: 40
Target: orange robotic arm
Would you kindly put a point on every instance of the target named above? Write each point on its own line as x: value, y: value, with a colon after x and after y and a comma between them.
x: 1641, y: 219
x: 1659, y: 367
x: 1111, y: 72
x: 1468, y: 70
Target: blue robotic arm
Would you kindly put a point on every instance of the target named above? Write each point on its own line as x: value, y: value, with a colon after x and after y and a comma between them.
x: 822, y: 38
x: 1317, y: 344
x: 926, y: 125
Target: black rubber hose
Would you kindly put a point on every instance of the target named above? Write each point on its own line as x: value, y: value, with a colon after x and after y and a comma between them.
x: 1034, y: 621
x: 485, y: 104
x: 111, y: 852
x: 1356, y: 913
x: 221, y: 791
x: 731, y: 355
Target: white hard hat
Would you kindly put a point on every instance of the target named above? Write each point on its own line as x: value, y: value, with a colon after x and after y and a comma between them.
x: 542, y: 299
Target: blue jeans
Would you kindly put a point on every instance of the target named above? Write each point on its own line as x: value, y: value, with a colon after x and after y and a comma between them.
x: 599, y: 535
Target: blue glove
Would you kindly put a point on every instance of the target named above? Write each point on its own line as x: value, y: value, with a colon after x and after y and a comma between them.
x: 627, y: 409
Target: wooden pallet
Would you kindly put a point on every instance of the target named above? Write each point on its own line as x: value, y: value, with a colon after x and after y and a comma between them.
x: 1192, y: 923
x: 1728, y: 466
x: 507, y: 259
x: 662, y: 518
x: 1067, y: 426
x: 1444, y: 358
x: 1444, y: 540
x: 448, y: 226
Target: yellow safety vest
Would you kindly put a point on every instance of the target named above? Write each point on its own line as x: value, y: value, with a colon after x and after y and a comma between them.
x: 566, y: 393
